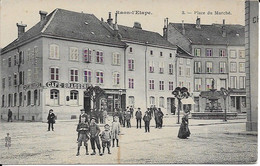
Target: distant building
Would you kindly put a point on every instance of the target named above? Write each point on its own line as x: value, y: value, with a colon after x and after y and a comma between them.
x: 150, y: 67
x: 212, y: 48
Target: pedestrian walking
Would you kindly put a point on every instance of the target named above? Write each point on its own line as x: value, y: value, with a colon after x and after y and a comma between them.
x: 128, y: 118
x: 121, y: 116
x: 94, y: 131
x: 184, y: 130
x: 147, y: 119
x: 104, y: 116
x: 138, y: 115
x: 115, y: 130
x: 106, y: 138
x: 10, y: 114
x: 156, y: 117
x: 160, y: 118
x: 83, y: 129
x: 51, y: 120
x: 132, y: 111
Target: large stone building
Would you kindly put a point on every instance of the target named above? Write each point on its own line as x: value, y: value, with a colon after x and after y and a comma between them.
x: 214, y: 49
x: 51, y: 65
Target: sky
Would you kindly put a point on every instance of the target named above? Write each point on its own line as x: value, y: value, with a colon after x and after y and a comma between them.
x: 27, y: 12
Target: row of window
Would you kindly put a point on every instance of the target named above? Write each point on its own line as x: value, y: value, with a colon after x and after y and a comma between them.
x: 161, y: 67
x: 222, y: 67
x: 222, y: 83
x: 10, y: 100
x: 222, y: 53
x: 131, y: 50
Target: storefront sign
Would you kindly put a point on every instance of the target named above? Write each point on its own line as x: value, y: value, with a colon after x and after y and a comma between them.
x: 66, y: 85
x: 32, y: 86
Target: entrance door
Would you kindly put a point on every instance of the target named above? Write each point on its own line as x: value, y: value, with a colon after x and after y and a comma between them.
x: 87, y: 104
x: 171, y: 108
x: 238, y: 107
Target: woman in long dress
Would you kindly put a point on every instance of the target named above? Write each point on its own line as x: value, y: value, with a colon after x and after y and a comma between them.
x: 184, y: 130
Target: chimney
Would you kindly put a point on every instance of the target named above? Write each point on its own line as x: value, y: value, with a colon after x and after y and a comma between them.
x: 115, y: 26
x: 165, y: 28
x: 137, y: 25
x: 43, y: 14
x: 21, y: 29
x: 224, y: 31
x: 109, y: 20
x: 198, y: 23
x: 183, y: 30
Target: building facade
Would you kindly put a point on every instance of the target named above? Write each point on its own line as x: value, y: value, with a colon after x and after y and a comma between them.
x: 211, y: 47
x: 51, y: 66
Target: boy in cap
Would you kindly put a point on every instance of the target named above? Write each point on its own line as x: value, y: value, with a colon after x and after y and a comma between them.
x: 106, y: 138
x: 82, y: 114
x: 83, y: 129
x: 94, y: 139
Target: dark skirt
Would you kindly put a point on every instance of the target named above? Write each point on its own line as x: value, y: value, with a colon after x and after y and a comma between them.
x: 184, y: 131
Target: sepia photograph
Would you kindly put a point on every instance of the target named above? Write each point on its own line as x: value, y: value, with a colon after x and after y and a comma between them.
x: 128, y: 82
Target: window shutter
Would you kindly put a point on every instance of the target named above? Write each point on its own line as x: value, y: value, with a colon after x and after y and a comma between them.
x: 80, y: 98
x: 47, y: 97
x: 62, y: 97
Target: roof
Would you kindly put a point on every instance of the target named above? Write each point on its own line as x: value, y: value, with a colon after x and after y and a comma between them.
x: 183, y: 53
x: 212, y: 34
x: 143, y: 36
x: 72, y: 25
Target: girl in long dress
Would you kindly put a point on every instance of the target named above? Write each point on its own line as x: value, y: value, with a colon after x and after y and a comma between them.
x: 184, y: 130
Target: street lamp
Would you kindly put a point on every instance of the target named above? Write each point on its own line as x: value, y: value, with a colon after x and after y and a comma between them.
x: 120, y: 94
x: 180, y: 93
x: 225, y: 94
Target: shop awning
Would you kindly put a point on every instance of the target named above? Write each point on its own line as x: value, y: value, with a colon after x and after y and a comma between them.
x: 188, y: 100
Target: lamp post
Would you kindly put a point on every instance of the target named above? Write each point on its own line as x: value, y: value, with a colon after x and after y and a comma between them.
x: 225, y: 94
x: 180, y: 93
x: 120, y: 94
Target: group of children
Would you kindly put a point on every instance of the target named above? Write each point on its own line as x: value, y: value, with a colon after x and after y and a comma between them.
x: 90, y: 130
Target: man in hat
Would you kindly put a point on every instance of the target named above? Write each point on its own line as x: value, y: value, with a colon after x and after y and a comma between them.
x: 138, y: 116
x: 94, y: 131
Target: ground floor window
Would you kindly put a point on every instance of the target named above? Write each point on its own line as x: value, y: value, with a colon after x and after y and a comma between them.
x: 131, y: 101
x: 54, y: 96
x: 74, y: 95
x: 161, y: 102
x: 152, y: 100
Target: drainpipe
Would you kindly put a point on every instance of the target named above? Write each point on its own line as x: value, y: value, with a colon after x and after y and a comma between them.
x: 18, y: 83
x: 145, y: 69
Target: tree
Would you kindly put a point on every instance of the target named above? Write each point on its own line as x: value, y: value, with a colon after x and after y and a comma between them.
x: 94, y: 93
x: 180, y: 93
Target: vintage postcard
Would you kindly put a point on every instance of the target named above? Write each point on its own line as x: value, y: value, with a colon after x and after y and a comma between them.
x: 128, y: 82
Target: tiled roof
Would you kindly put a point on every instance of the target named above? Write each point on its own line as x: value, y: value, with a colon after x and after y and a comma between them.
x: 72, y: 25
x: 143, y: 36
x: 183, y: 53
x: 212, y: 34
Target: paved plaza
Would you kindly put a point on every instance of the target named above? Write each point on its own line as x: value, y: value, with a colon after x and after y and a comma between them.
x: 211, y: 141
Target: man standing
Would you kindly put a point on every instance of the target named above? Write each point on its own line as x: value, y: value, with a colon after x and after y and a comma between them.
x: 138, y: 116
x: 10, y: 114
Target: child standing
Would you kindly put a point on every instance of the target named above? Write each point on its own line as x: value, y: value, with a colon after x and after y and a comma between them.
x: 106, y: 138
x: 94, y: 139
x: 115, y: 131
x: 83, y: 129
